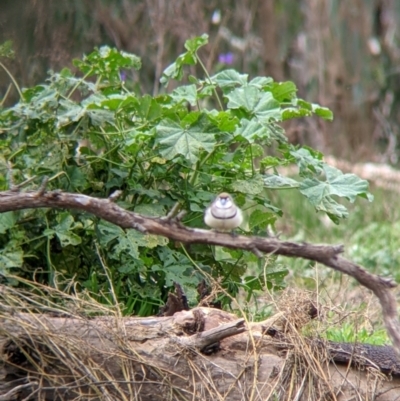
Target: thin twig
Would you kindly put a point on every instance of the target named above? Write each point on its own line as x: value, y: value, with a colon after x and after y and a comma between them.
x: 109, y: 211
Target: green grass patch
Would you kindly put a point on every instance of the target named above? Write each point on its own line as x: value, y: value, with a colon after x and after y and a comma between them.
x: 371, y: 234
x: 349, y: 333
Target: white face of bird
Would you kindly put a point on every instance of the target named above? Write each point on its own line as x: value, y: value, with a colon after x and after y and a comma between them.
x: 223, y: 201
x: 223, y: 214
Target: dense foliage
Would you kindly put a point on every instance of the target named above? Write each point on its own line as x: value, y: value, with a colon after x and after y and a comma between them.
x: 92, y: 133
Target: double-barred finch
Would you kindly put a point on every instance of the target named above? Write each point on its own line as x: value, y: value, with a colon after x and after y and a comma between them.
x: 223, y: 214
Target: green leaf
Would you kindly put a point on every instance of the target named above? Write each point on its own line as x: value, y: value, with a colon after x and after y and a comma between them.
x: 246, y: 97
x: 31, y: 93
x: 320, y: 193
x: 261, y: 104
x: 314, y: 108
x: 257, y: 150
x: 291, y: 112
x: 323, y: 112
x: 146, y: 240
x: 175, y: 70
x: 152, y: 209
x: 255, y: 131
x: 152, y: 241
x: 268, y: 108
x: 261, y: 220
x: 132, y: 240
x: 127, y: 243
x: 283, y: 91
x: 195, y: 43
x: 63, y: 230
x: 301, y: 108
x: 334, y: 210
x: 185, y: 93
x: 224, y: 120
x: 261, y: 82
x: 273, y: 181
x: 6, y: 49
x: 302, y: 104
x: 229, y: 79
x: 176, y: 267
x: 129, y: 268
x: 108, y: 232
x: 7, y: 221
x: 188, y: 141
x: 148, y: 108
x: 107, y: 62
x: 270, y: 161
x: 308, y: 161
x: 112, y: 103
x: 10, y: 258
x: 77, y: 178
x: 252, y: 283
x: 348, y: 186
x: 206, y: 90
x: 252, y: 186
x: 265, y: 202
x: 277, y: 133
x: 68, y: 238
x: 69, y: 112
x: 191, y: 118
x: 251, y: 130
x: 275, y: 274
x: 99, y: 117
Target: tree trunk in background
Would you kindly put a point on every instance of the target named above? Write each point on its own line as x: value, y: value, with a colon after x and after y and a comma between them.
x: 269, y: 33
x: 343, y: 55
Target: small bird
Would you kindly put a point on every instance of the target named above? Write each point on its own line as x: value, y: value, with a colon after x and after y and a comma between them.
x: 223, y: 214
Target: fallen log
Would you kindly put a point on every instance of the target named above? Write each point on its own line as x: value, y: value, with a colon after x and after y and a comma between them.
x: 88, y: 351
x: 171, y: 228
x: 167, y: 358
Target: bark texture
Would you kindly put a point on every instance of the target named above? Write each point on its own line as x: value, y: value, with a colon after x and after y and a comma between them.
x: 171, y: 228
x: 164, y: 358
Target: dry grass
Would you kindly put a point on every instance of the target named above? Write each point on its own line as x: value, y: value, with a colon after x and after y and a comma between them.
x: 93, y: 358
x: 304, y: 372
x: 54, y: 359
x: 50, y: 361
x: 307, y: 373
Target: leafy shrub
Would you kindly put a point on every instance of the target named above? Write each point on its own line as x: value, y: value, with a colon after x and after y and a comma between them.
x: 91, y: 134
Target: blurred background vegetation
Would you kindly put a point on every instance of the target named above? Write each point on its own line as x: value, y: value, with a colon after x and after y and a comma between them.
x: 342, y: 55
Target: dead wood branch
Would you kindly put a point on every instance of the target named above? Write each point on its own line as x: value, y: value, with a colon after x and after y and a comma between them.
x: 205, y: 339
x: 174, y: 230
x: 362, y: 356
x: 150, y: 359
x: 115, y: 358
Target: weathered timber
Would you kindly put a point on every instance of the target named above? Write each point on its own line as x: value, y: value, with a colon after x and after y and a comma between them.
x: 156, y: 358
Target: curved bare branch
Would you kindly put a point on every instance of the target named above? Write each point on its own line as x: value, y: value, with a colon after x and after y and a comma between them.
x: 174, y: 230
